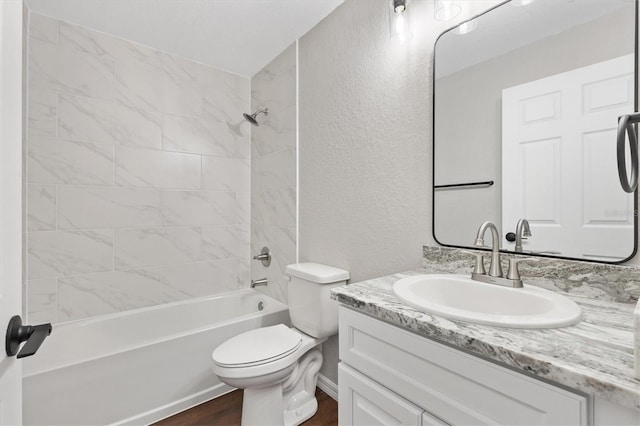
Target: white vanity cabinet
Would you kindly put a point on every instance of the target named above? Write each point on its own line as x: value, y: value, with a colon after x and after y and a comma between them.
x: 390, y: 376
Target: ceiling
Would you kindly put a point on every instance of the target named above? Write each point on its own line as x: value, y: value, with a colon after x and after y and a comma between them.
x: 239, y: 36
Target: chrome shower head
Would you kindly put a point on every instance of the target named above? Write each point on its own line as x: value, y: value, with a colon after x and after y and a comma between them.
x: 252, y: 118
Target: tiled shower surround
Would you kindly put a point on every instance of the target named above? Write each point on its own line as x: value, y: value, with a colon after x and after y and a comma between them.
x: 273, y: 171
x: 138, y: 175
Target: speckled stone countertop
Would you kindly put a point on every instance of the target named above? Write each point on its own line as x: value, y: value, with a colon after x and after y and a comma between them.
x: 594, y: 356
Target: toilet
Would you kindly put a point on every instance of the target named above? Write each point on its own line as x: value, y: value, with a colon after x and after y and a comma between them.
x: 278, y: 366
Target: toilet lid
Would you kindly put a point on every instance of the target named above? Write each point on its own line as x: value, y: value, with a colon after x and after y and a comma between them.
x: 257, y: 346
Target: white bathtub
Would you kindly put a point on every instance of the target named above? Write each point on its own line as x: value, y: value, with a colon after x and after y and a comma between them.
x: 140, y: 366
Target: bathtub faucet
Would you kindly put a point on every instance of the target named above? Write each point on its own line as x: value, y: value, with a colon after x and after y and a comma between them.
x: 261, y: 281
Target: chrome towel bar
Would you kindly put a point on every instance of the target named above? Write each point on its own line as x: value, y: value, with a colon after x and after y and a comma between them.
x: 464, y: 185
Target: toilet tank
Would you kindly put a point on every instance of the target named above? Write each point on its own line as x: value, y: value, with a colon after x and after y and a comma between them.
x: 310, y: 306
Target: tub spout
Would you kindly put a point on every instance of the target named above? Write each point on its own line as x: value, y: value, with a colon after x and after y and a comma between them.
x: 261, y: 281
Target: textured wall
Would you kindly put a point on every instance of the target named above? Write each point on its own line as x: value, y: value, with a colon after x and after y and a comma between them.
x: 138, y: 172
x: 364, y: 147
x: 365, y: 142
x: 273, y: 171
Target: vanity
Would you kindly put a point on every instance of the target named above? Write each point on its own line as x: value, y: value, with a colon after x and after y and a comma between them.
x: 400, y: 365
x: 390, y: 376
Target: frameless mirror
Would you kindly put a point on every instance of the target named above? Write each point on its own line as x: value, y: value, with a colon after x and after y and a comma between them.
x: 526, y: 104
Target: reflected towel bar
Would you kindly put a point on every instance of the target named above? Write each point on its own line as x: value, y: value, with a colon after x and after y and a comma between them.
x: 464, y: 185
x: 626, y: 124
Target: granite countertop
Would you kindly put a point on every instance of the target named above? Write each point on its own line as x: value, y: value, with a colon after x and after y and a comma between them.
x: 594, y: 356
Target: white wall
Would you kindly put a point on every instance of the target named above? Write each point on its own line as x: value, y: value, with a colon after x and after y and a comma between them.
x: 138, y: 175
x: 365, y: 142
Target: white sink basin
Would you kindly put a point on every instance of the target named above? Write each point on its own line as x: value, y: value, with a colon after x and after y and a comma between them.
x: 458, y: 297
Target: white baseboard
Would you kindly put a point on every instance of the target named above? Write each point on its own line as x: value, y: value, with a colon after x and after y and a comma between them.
x: 328, y: 387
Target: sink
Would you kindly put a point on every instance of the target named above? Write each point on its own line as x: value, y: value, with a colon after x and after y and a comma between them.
x: 458, y: 297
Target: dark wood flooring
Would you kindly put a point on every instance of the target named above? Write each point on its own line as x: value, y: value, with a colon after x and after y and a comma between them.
x: 227, y: 410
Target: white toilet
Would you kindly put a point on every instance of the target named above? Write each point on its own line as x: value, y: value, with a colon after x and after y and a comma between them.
x: 278, y: 366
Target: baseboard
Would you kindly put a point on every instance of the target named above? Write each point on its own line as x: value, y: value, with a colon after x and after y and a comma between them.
x: 328, y: 387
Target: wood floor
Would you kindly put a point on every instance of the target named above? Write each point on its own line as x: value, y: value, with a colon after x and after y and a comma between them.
x: 227, y: 411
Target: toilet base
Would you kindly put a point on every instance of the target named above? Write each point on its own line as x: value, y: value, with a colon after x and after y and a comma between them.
x: 288, y: 401
x: 258, y: 406
x: 301, y: 414
x: 299, y: 390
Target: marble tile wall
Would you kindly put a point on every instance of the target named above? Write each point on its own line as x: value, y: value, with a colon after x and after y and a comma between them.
x: 273, y: 172
x: 138, y: 175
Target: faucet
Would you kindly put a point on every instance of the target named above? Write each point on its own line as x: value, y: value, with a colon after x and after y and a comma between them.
x: 495, y: 268
x: 264, y: 257
x: 260, y: 281
x: 522, y: 231
x: 495, y: 275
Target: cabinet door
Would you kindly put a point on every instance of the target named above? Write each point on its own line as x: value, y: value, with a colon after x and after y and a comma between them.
x: 363, y: 402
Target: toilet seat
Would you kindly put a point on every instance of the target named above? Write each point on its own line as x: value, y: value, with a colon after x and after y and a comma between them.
x: 279, y: 363
x: 257, y: 347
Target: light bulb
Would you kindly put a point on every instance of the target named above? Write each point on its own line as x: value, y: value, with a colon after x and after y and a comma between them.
x: 398, y: 23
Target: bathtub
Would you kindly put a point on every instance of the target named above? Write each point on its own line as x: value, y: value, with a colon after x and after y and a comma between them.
x: 139, y: 366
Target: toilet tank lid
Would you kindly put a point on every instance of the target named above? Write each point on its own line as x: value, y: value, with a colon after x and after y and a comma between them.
x: 317, y: 273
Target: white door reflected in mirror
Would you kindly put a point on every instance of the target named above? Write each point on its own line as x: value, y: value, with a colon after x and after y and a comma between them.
x: 559, y: 163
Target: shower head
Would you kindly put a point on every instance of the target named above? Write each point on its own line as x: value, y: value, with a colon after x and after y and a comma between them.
x: 252, y: 118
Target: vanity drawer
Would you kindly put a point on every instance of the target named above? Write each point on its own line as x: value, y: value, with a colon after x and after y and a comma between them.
x: 363, y: 402
x: 457, y: 387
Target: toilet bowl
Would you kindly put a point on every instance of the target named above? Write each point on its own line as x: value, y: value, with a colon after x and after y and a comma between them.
x: 272, y: 373
x: 278, y: 366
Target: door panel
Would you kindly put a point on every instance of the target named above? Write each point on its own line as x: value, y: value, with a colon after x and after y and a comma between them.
x: 559, y: 161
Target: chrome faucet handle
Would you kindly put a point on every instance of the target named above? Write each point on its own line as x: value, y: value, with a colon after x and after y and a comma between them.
x: 514, y: 273
x: 478, y: 268
x: 264, y: 257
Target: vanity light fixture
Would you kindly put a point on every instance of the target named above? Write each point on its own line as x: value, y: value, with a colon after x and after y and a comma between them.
x: 398, y: 22
x: 445, y: 10
x: 466, y: 27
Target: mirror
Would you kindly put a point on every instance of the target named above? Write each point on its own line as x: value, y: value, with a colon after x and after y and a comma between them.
x: 526, y: 104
